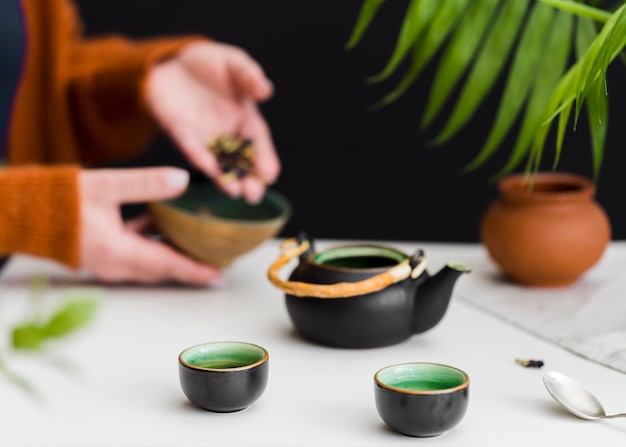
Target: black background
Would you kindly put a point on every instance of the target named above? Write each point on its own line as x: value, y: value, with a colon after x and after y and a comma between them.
x: 352, y: 173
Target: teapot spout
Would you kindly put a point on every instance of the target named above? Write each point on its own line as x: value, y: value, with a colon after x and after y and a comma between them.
x: 433, y: 296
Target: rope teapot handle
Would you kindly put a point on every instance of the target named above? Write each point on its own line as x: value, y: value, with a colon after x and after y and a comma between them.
x: 291, y: 249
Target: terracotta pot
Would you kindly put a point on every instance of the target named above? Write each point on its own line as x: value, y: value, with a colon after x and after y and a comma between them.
x: 545, y: 230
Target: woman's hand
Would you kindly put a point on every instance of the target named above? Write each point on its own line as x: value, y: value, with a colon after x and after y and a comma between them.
x: 115, y: 251
x: 209, y: 89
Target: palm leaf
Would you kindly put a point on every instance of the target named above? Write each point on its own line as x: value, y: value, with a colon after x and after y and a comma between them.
x: 582, y: 79
x: 580, y: 9
x: 487, y: 66
x: 597, y: 113
x: 554, y: 103
x: 415, y: 22
x: 585, y: 35
x: 556, y: 52
x: 458, y: 55
x: 522, y: 76
x: 476, y: 39
x: 437, y: 30
x: 366, y: 15
x: 603, y: 49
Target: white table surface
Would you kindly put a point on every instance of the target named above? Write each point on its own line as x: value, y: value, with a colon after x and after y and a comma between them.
x: 120, y: 384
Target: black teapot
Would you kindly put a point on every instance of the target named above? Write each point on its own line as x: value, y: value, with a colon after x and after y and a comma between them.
x: 362, y: 296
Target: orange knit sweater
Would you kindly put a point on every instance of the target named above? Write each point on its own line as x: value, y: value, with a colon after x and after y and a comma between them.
x: 79, y: 102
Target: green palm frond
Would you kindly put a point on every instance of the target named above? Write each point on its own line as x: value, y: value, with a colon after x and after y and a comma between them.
x: 584, y: 83
x: 551, y: 52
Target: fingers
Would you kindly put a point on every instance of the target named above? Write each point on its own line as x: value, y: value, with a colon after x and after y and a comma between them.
x: 194, y: 147
x: 147, y: 261
x: 252, y: 189
x: 266, y: 160
x: 141, y: 224
x: 156, y: 262
x: 137, y: 185
x: 247, y: 75
x: 114, y: 251
x: 228, y: 67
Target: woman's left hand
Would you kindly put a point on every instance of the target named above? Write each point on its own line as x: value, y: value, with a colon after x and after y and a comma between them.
x: 209, y: 89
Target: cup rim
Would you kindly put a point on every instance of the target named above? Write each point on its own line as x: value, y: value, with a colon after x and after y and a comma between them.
x: 263, y: 360
x: 462, y: 386
x: 272, y: 196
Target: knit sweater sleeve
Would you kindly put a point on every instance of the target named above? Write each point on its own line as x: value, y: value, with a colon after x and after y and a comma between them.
x: 39, y: 213
x: 106, y: 93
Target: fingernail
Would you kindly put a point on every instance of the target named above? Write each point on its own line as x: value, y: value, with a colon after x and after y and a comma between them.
x: 177, y: 178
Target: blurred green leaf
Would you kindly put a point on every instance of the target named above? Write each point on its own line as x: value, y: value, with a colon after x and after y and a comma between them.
x: 28, y: 336
x: 580, y: 9
x: 20, y: 382
x: 609, y: 42
x: 77, y: 309
x: 458, y: 55
x: 476, y: 41
x: 487, y: 67
x: 585, y: 35
x: 597, y: 114
x: 441, y: 24
x: 416, y: 20
x: 38, y: 284
x: 366, y: 15
x: 541, y: 135
x: 582, y: 79
x: 553, y: 64
x: 522, y: 75
x: 73, y: 315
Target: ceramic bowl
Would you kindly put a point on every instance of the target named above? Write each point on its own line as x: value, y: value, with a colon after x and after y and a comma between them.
x: 214, y: 228
x: 421, y: 399
x: 223, y: 377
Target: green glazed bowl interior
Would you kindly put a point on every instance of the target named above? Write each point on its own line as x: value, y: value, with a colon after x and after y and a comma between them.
x: 359, y: 257
x: 228, y: 355
x: 422, y: 378
x: 203, y: 199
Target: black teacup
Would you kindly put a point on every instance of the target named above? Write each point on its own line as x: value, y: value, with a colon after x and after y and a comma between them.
x: 421, y: 399
x: 223, y: 376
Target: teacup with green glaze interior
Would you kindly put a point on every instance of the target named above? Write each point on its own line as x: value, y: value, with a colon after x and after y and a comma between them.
x: 223, y: 376
x: 421, y: 399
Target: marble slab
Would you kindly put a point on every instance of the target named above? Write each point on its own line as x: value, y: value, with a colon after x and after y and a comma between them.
x: 587, y: 318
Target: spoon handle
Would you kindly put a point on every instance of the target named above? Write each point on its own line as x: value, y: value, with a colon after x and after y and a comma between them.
x: 619, y: 415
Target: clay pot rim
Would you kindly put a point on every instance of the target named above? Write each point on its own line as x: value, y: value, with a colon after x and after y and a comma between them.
x: 546, y: 186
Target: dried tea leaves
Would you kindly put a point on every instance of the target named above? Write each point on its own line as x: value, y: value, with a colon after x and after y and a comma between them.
x: 234, y: 155
x: 529, y: 363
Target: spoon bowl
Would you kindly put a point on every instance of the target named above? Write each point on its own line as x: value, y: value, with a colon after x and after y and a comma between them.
x: 575, y: 398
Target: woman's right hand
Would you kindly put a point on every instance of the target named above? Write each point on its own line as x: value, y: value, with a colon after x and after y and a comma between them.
x: 116, y: 251
x: 205, y: 91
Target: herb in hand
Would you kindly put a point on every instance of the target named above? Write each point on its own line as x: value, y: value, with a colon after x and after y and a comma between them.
x: 234, y: 155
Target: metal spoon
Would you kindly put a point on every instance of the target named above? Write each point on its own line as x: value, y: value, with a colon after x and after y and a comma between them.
x: 574, y: 397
